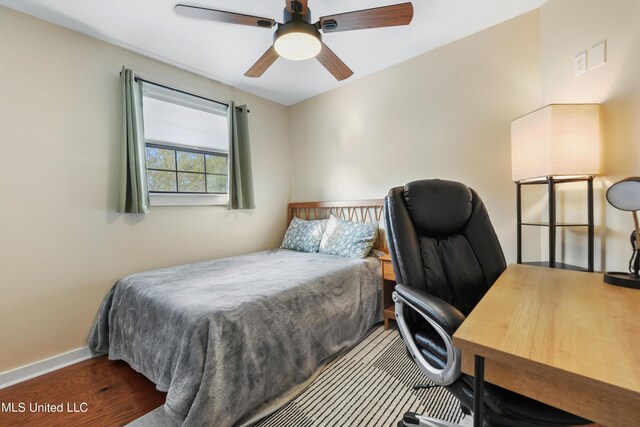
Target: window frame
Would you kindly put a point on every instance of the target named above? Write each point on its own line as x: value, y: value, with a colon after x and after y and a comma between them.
x: 171, y: 198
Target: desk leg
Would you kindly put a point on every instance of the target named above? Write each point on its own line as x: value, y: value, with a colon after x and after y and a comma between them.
x: 478, y: 392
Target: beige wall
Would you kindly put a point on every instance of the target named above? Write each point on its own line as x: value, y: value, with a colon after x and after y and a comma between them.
x: 568, y: 27
x: 62, y: 245
x: 445, y: 114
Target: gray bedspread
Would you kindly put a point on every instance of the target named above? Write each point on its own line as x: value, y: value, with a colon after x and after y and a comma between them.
x: 223, y: 336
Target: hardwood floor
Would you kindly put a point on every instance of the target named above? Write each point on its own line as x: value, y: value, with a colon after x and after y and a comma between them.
x: 113, y: 394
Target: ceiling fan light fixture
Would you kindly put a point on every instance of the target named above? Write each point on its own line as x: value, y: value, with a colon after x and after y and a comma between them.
x: 298, y: 46
x: 297, y: 40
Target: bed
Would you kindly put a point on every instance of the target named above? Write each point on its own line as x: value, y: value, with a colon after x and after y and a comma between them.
x: 223, y: 336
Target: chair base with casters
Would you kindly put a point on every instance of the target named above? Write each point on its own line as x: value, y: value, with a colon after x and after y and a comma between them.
x: 411, y: 419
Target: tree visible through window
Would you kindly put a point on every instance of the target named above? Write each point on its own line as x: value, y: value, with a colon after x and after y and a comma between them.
x: 178, y: 171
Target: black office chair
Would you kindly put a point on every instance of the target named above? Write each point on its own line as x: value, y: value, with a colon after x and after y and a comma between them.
x: 446, y: 256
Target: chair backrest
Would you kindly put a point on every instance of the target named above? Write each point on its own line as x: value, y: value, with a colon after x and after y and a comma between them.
x: 441, y: 241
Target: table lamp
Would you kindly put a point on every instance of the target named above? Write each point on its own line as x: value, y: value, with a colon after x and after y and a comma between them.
x: 625, y: 195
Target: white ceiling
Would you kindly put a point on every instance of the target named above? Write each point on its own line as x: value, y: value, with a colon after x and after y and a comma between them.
x: 224, y: 52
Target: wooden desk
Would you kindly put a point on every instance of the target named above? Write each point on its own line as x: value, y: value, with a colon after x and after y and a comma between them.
x: 388, y: 285
x: 561, y: 337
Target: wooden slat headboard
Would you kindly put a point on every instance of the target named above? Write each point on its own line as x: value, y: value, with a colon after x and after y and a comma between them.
x: 352, y: 210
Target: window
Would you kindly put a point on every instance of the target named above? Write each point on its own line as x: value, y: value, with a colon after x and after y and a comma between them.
x: 171, y: 170
x: 186, y: 148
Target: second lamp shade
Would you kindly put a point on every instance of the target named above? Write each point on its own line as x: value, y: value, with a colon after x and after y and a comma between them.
x: 559, y: 139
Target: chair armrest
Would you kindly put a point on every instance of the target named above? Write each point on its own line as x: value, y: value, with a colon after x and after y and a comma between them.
x: 443, y: 318
x: 444, y: 314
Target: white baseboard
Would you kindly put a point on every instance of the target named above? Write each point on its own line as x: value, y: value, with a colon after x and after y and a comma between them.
x: 24, y: 373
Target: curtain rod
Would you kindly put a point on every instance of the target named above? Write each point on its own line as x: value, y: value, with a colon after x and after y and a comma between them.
x: 140, y: 79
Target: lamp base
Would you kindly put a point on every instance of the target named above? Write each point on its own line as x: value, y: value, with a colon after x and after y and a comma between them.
x: 626, y: 280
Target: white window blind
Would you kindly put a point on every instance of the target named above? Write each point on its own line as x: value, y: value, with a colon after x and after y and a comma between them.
x: 172, y: 118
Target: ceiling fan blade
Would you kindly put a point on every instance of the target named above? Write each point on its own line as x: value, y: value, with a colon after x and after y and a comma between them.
x: 386, y: 16
x: 334, y: 64
x: 222, y: 16
x: 266, y: 60
x: 297, y: 6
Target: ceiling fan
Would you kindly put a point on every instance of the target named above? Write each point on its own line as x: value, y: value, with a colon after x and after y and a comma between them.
x: 298, y: 39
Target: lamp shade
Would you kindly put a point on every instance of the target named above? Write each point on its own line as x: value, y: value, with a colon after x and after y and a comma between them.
x: 625, y: 195
x: 559, y: 139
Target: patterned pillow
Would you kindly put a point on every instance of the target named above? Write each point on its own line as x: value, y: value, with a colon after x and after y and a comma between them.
x: 347, y: 238
x: 304, y: 235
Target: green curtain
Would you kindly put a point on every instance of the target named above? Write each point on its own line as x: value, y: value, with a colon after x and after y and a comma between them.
x: 133, y: 195
x: 239, y: 161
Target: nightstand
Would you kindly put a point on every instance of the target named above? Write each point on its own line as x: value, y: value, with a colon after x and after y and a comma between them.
x: 388, y: 285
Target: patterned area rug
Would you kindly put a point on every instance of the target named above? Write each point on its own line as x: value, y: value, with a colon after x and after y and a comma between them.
x: 371, y: 386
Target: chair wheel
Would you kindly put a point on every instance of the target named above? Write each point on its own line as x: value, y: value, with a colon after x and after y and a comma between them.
x: 409, y: 419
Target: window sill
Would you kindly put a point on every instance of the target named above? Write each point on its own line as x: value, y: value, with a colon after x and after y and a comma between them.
x: 188, y: 199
